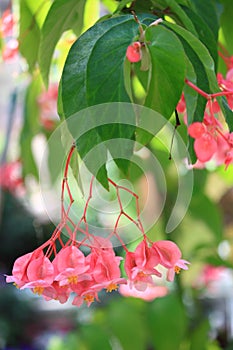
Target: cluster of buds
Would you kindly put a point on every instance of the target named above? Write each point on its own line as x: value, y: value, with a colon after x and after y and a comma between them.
x: 10, y: 44
x: 59, y: 268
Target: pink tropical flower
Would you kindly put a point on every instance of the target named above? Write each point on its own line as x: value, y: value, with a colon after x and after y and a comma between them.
x: 133, y: 52
x: 205, y: 144
x: 170, y: 257
x: 19, y: 272
x: 86, y: 291
x: 56, y: 292
x: 40, y: 274
x: 140, y: 265
x: 107, y: 273
x: 71, y: 265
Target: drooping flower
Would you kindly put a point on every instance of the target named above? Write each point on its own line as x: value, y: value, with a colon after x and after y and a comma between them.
x: 71, y: 265
x: 19, y: 272
x: 140, y: 265
x: 170, y: 257
x: 107, y: 273
x: 40, y: 274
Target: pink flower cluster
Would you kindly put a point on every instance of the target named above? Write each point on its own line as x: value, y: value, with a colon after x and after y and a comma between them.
x: 58, y: 269
x: 71, y: 272
x: 212, y: 140
x: 10, y: 44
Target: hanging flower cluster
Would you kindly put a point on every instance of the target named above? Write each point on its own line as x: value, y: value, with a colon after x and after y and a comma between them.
x: 55, y: 274
x: 212, y: 140
x: 10, y: 44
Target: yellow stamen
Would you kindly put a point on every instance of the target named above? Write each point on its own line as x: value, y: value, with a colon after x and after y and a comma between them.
x: 111, y: 287
x: 177, y: 269
x: 38, y: 290
x: 89, y: 298
x: 73, y: 279
x: 141, y: 274
x: 16, y: 285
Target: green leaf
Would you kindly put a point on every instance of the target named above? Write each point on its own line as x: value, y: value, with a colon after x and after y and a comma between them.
x: 122, y: 319
x: 165, y: 314
x: 94, y: 337
x: 205, y: 35
x: 177, y: 13
x: 168, y: 70
x: 204, y: 7
x: 93, y: 71
x: 199, y: 336
x: 29, y: 34
x: 202, y: 208
x: 62, y: 16
x: 227, y: 24
x: 94, y: 74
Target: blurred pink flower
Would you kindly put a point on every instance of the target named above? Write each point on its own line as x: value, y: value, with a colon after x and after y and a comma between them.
x: 152, y: 291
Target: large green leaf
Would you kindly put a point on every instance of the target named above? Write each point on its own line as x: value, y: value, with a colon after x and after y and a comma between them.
x: 205, y: 35
x: 227, y: 23
x: 93, y: 71
x: 165, y: 314
x: 122, y: 319
x: 94, y: 74
x: 176, y: 12
x: 168, y: 70
x: 208, y: 6
x: 63, y: 15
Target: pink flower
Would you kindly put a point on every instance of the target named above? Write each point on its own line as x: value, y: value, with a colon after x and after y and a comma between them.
x: 107, y: 273
x: 19, y: 272
x: 139, y: 265
x: 56, y: 292
x: 133, y: 52
x: 152, y: 291
x: 71, y: 264
x: 40, y: 273
x: 170, y: 257
x: 205, y: 144
x: 86, y: 291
